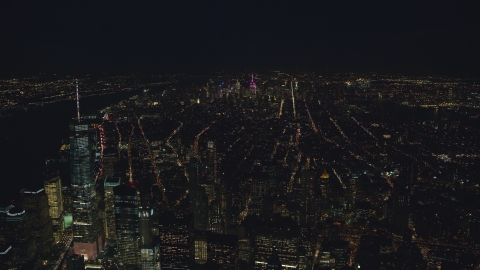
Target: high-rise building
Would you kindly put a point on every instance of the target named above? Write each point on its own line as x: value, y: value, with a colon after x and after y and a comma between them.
x: 127, y: 225
x: 53, y: 189
x: 149, y: 250
x: 198, y: 197
x: 253, y: 85
x: 215, y: 218
x: 176, y: 235
x: 199, y: 208
x: 211, y: 161
x: 16, y: 229
x: 200, y: 243
x: 110, y: 229
x: 221, y: 249
x: 87, y: 236
x: 284, y: 242
x: 324, y: 185
x: 36, y: 203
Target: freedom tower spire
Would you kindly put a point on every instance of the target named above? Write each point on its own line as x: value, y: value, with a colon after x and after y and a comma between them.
x: 78, y: 101
x: 86, y: 227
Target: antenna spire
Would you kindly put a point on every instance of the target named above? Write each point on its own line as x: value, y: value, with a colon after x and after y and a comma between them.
x: 78, y: 101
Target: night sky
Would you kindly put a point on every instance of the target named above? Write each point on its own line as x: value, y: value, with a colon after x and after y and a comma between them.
x: 76, y: 37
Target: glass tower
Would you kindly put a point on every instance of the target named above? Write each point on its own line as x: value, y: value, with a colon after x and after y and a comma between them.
x: 86, y: 224
x: 127, y: 225
x: 53, y: 189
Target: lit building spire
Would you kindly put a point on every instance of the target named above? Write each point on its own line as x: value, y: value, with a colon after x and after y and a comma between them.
x: 78, y: 101
x: 252, y: 85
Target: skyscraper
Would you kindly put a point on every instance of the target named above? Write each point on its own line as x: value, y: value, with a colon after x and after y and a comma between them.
x: 198, y: 197
x: 110, y: 229
x: 149, y: 250
x: 53, y: 189
x: 86, y: 224
x: 176, y: 239
x: 253, y: 85
x: 324, y: 185
x: 127, y: 225
x: 35, y: 202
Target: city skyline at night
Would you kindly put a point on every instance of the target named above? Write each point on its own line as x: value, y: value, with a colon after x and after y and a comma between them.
x: 300, y: 171
x: 239, y: 135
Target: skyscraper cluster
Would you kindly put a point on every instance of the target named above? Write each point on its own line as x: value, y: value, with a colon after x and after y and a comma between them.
x: 282, y: 173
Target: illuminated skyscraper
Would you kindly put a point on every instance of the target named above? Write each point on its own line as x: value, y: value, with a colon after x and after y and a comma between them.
x: 198, y: 197
x: 53, y: 189
x: 149, y: 251
x: 211, y: 161
x: 253, y: 85
x: 110, y: 229
x: 200, y: 242
x: 87, y: 239
x: 324, y: 185
x: 36, y: 204
x: 127, y: 225
x: 176, y: 240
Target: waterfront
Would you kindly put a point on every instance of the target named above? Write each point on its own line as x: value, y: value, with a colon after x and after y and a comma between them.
x: 29, y: 138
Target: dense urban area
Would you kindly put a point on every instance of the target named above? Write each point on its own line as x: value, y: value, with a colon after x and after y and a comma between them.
x: 252, y: 171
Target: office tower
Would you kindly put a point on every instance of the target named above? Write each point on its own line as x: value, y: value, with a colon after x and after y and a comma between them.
x: 149, y: 250
x: 284, y: 241
x: 193, y: 171
x: 35, y: 202
x: 221, y: 249
x: 109, y: 184
x: 324, y: 185
x: 53, y: 189
x: 253, y: 85
x: 200, y: 243
x: 211, y: 162
x: 176, y: 243
x: 244, y: 252
x: 16, y: 229
x: 338, y: 250
x: 215, y: 219
x: 75, y: 262
x: 198, y: 197
x: 310, y: 196
x: 127, y: 225
x: 199, y: 208
x: 87, y: 238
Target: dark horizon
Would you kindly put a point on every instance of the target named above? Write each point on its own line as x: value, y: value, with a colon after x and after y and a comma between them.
x: 428, y: 38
